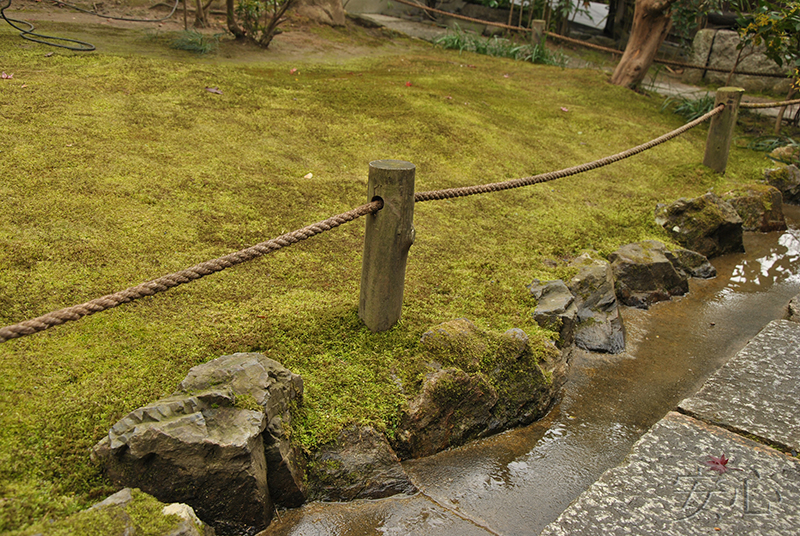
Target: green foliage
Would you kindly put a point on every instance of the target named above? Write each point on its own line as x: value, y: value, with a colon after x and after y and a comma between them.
x: 777, y: 26
x: 689, y: 108
x: 769, y: 144
x: 686, y: 14
x: 194, y: 41
x: 458, y: 39
x: 250, y: 13
x: 260, y: 18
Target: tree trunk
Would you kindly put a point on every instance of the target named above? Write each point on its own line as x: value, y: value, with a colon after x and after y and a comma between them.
x: 782, y: 110
x: 651, y: 24
x: 231, y: 20
x: 608, y: 30
x: 200, y: 19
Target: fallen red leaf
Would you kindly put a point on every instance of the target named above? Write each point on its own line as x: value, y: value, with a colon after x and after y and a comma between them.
x: 719, y: 464
x: 408, y: 84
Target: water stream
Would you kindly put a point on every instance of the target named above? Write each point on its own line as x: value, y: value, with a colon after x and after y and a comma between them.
x: 518, y: 482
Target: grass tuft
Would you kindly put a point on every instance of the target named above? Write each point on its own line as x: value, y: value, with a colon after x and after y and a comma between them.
x: 194, y: 41
x: 458, y: 39
x: 689, y: 108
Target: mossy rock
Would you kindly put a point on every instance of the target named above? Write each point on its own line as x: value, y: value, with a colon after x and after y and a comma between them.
x: 705, y: 224
x: 457, y: 342
x: 759, y: 205
x: 359, y: 464
x: 500, y: 381
x: 787, y: 180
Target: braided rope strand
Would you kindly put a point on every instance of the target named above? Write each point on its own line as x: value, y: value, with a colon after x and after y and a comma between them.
x: 553, y: 175
x: 149, y: 288
x: 768, y: 104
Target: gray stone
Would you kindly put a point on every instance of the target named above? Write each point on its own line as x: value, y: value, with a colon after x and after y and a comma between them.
x: 555, y: 309
x: 208, y: 445
x: 757, y: 391
x: 723, y: 55
x: 121, y: 498
x: 360, y: 464
x: 701, y: 49
x: 212, y: 459
x: 794, y: 309
x: 599, y: 324
x: 759, y: 206
x: 644, y: 275
x: 665, y: 486
x: 705, y: 224
x: 273, y: 388
x: 691, y: 264
x: 787, y: 180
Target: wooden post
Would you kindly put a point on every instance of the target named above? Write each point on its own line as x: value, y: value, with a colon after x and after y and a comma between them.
x: 537, y: 32
x: 720, y: 132
x: 389, y: 235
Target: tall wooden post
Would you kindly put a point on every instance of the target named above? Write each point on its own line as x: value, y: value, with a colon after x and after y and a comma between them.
x: 720, y: 132
x: 389, y: 235
x: 537, y: 32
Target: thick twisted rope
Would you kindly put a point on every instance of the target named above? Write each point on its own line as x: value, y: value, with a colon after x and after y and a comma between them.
x: 197, y: 271
x: 768, y: 104
x: 579, y: 42
x: 553, y: 175
x: 203, y: 269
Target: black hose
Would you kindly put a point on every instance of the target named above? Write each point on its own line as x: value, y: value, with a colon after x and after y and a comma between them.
x: 30, y: 35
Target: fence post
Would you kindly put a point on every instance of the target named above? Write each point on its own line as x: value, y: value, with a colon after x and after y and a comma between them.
x: 720, y: 132
x: 537, y: 32
x: 389, y: 235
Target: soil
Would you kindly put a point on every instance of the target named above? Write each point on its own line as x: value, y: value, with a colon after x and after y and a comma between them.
x: 301, y: 38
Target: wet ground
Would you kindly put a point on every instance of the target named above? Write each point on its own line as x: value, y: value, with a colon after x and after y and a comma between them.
x: 518, y: 482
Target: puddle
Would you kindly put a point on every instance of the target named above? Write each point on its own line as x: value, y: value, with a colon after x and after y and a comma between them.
x: 520, y: 481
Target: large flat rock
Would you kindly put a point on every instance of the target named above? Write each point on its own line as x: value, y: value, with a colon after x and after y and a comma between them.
x: 665, y: 487
x: 420, y: 30
x: 757, y: 392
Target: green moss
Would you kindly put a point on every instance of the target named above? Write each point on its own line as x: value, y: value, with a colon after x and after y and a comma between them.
x: 143, y: 513
x: 780, y: 178
x: 247, y: 401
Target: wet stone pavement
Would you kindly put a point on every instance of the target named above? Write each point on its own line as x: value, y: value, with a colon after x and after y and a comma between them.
x: 617, y: 414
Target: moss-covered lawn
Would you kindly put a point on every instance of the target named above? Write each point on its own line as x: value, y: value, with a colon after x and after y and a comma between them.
x: 116, y: 169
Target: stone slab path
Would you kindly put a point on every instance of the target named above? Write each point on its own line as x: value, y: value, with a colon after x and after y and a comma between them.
x: 758, y: 391
x: 669, y: 484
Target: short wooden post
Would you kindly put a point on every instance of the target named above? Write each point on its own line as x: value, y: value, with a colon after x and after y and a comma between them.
x: 389, y: 235
x: 537, y: 32
x: 720, y: 132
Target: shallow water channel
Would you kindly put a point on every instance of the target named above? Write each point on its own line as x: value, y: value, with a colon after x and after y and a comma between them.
x: 518, y: 482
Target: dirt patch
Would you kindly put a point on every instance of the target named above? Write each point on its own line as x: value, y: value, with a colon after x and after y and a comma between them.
x: 301, y: 38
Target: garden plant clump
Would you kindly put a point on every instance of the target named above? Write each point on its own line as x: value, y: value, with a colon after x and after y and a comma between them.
x: 121, y: 167
x: 458, y: 39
